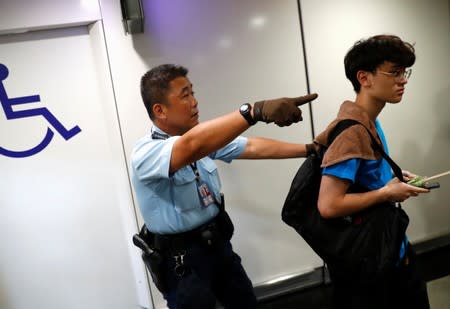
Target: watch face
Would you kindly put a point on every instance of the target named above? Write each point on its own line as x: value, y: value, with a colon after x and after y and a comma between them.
x: 244, y: 108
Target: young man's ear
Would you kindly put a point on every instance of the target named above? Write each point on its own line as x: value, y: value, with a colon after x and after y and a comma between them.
x: 364, y: 78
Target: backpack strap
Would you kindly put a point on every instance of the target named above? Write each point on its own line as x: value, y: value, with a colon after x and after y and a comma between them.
x: 346, y: 123
x: 340, y: 126
x: 397, y: 170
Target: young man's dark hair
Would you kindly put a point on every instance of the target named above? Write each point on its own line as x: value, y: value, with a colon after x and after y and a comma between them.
x: 155, y: 84
x: 368, y: 54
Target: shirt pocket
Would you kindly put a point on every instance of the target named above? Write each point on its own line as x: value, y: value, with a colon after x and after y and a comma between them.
x: 213, y: 176
x: 185, y: 190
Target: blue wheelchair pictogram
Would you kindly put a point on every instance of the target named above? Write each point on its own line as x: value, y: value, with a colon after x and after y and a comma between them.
x: 8, y: 103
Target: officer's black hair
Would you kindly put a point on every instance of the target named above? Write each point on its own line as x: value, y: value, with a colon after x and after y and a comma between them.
x: 155, y: 84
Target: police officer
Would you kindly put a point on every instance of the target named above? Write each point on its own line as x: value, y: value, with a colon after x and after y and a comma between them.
x: 178, y: 187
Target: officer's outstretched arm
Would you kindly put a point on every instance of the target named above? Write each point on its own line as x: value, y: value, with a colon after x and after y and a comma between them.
x: 212, y: 135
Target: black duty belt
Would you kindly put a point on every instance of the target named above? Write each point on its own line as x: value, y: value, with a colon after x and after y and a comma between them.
x: 214, y: 231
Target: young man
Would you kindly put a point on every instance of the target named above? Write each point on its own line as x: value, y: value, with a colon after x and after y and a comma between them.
x: 378, y: 69
x: 178, y: 187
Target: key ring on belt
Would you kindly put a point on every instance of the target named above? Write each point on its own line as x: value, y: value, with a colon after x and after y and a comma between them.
x: 180, y: 268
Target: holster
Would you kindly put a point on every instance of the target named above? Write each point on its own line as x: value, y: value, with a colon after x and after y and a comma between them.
x: 153, y: 259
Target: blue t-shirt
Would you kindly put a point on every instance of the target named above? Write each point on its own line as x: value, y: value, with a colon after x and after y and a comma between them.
x: 170, y: 203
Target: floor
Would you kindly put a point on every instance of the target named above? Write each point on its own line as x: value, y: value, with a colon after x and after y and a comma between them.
x: 435, y: 267
x: 438, y: 293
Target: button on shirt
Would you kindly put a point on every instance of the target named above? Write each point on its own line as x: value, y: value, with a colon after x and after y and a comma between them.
x: 170, y: 203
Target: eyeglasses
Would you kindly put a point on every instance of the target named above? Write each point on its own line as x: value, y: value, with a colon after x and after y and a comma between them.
x: 399, y: 74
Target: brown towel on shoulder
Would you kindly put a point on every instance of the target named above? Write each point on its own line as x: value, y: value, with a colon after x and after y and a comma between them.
x: 354, y: 142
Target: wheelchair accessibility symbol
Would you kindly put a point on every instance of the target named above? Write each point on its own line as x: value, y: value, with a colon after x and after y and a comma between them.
x: 8, y: 103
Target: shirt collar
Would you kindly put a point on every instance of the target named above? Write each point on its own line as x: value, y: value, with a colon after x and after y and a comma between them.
x: 157, y: 133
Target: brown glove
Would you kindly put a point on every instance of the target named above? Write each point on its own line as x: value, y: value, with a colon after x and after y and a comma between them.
x: 312, y: 149
x: 283, y: 111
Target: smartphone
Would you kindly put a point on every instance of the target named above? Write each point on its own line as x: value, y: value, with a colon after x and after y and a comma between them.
x: 431, y: 185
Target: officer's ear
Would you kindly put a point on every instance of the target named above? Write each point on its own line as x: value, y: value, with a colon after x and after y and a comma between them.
x: 159, y: 111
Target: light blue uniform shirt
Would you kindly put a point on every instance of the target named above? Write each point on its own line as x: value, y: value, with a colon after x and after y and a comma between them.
x: 372, y: 174
x: 170, y: 204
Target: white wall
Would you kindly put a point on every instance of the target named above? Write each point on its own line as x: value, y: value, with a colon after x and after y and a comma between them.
x: 67, y: 212
x: 23, y: 15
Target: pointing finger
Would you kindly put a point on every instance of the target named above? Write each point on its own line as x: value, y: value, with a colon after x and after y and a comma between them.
x: 304, y: 99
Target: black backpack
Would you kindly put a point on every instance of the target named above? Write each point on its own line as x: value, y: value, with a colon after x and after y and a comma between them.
x: 368, y: 240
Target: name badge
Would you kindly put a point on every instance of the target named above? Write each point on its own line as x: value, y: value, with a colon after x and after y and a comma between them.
x: 205, y: 195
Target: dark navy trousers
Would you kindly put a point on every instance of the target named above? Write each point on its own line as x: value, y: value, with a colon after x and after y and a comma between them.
x: 212, y: 273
